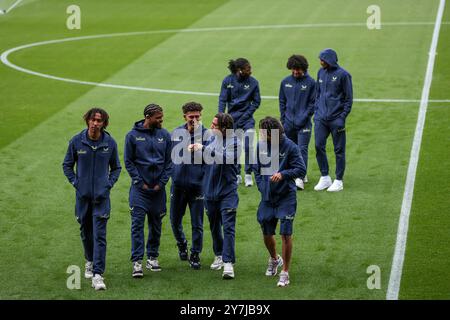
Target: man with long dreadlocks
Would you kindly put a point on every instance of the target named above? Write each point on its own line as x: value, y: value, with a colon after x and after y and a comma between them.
x: 240, y: 93
x: 278, y: 163
x: 148, y: 161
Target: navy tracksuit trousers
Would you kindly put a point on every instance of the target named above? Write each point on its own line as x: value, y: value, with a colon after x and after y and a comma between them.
x: 301, y: 138
x: 222, y: 221
x: 93, y: 218
x: 322, y: 130
x: 180, y: 198
x: 152, y: 205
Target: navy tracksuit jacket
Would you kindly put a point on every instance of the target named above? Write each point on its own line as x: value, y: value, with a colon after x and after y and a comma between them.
x: 97, y: 170
x: 147, y: 160
x: 221, y: 196
x: 242, y: 97
x: 280, y: 194
x: 186, y: 189
x: 334, y: 99
x: 296, y: 99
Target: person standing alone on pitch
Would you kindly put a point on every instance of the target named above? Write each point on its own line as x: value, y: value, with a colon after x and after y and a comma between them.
x: 240, y: 92
x: 147, y: 160
x: 334, y: 99
x: 296, y: 97
x: 94, y: 152
x: 278, y: 192
x: 187, y: 183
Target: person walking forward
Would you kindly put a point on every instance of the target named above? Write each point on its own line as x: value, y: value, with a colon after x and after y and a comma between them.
x: 94, y: 153
x: 148, y: 162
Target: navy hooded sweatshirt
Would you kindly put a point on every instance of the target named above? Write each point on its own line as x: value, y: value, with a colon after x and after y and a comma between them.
x: 296, y: 98
x: 219, y: 179
x: 242, y: 97
x: 190, y: 174
x: 334, y: 94
x: 291, y: 166
x: 147, y: 155
x: 97, y: 165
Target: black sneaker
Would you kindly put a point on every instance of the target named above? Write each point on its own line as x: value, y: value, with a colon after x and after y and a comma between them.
x: 194, y: 261
x: 183, y: 251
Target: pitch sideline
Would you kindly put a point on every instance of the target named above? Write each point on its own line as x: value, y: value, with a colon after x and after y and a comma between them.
x: 402, y: 233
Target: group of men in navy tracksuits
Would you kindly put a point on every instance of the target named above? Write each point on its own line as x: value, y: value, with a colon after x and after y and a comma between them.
x: 205, y: 170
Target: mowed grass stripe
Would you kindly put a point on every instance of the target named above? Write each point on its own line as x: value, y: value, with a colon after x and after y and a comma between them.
x: 426, y: 269
x: 44, y: 20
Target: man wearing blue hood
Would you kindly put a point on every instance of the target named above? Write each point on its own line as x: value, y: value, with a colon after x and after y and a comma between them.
x: 296, y: 97
x: 278, y: 163
x: 240, y: 92
x: 148, y: 161
x: 334, y: 99
x: 94, y: 152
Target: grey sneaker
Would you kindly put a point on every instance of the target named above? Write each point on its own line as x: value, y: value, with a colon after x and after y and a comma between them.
x: 217, y: 263
x: 137, y: 270
x: 273, y: 265
x: 248, y: 180
x: 98, y: 283
x: 88, y: 270
x: 324, y: 183
x: 228, y: 271
x: 239, y: 179
x: 153, y: 264
x: 284, y: 279
x: 299, y: 184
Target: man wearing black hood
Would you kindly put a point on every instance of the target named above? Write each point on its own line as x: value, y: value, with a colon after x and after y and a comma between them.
x: 334, y: 99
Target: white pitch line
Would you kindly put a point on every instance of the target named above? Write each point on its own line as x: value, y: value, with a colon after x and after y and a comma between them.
x: 13, y: 6
x: 402, y: 233
x: 4, y: 56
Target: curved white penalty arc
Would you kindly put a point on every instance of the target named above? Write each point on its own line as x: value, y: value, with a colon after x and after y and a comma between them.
x: 4, y: 56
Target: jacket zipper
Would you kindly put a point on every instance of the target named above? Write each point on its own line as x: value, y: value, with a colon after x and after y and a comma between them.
x: 93, y: 172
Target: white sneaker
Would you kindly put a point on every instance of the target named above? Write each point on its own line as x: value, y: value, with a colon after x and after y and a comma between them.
x: 239, y: 179
x: 284, y: 279
x: 305, y: 179
x: 299, y: 183
x: 217, y: 263
x: 273, y: 265
x: 228, y: 271
x: 248, y: 180
x: 323, y: 184
x: 153, y: 264
x: 97, y: 282
x: 88, y: 270
x: 137, y: 270
x: 337, y: 185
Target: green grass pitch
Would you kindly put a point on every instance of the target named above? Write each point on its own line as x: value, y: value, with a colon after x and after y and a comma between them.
x: 336, y: 236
